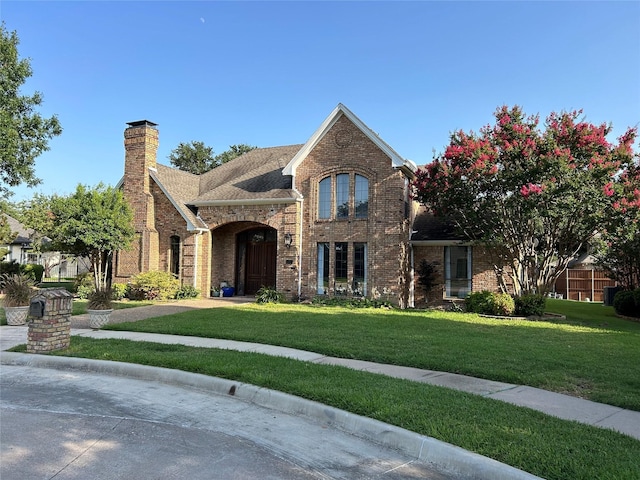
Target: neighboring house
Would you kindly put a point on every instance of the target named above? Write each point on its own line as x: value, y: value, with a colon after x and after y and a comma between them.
x: 20, y: 246
x: 332, y: 216
x: 56, y: 265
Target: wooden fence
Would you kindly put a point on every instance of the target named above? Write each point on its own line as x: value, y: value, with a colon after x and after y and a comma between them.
x: 583, y: 285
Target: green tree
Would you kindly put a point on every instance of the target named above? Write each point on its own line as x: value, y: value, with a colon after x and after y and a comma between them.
x: 233, y: 152
x: 194, y: 157
x: 93, y: 222
x: 24, y: 133
x: 535, y: 196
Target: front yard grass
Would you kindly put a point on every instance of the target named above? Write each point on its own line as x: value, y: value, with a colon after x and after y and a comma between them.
x: 540, y: 444
x: 592, y: 355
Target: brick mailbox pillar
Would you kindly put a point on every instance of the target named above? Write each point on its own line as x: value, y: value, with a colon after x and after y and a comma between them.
x: 49, y: 326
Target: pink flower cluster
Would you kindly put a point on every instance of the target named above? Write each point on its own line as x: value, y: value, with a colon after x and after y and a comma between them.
x: 531, y: 189
x: 608, y: 189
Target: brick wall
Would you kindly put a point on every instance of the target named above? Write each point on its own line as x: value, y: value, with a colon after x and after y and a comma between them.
x: 345, y: 149
x: 227, y: 221
x: 483, y: 274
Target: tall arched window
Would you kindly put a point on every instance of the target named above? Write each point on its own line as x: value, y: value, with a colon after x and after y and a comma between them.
x: 343, y: 196
x: 361, y: 197
x: 324, y: 198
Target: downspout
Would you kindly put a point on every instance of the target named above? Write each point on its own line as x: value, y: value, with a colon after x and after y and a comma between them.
x: 412, y: 284
x: 195, y: 260
x: 301, y: 200
x: 300, y: 250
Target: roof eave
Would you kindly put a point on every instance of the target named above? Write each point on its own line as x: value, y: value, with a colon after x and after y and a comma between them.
x: 190, y: 225
x: 252, y: 201
x: 439, y: 243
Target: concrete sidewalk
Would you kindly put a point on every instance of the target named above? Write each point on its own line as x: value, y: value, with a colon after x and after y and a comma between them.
x: 558, y: 405
x: 562, y: 406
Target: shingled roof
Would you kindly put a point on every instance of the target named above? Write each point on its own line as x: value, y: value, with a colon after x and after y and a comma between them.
x: 253, y: 177
x: 179, y: 187
x: 23, y: 234
x: 428, y: 228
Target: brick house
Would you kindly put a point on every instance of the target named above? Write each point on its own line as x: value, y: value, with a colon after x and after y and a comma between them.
x: 333, y: 216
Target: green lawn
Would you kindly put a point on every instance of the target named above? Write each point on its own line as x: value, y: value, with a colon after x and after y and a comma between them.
x: 540, y: 444
x: 591, y: 354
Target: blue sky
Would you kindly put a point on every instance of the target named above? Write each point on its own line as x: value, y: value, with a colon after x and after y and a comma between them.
x: 268, y: 73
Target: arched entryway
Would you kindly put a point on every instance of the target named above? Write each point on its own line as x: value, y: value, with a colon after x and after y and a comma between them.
x: 256, y: 259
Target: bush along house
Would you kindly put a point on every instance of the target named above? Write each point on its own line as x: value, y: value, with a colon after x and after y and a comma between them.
x: 333, y: 216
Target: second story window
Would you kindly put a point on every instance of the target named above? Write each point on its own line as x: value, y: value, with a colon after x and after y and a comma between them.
x: 324, y: 198
x: 361, y: 197
x: 343, y: 196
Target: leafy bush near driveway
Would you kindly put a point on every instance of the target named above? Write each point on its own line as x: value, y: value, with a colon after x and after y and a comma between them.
x: 187, y: 291
x: 153, y: 285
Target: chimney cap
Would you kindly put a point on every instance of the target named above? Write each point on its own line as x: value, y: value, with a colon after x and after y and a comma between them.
x: 142, y: 123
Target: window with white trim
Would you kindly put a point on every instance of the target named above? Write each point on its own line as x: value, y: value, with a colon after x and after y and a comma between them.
x: 457, y: 271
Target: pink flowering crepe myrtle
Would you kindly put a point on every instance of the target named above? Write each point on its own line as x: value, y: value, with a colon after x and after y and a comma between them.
x: 536, y: 193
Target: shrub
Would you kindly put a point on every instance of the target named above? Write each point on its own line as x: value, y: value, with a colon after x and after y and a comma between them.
x: 352, y: 302
x: 153, y: 286
x: 269, y: 295
x: 490, y: 303
x: 624, y: 303
x: 479, y: 302
x: 84, y: 286
x: 187, y: 291
x: 82, y: 279
x: 35, y: 271
x: 503, y: 304
x: 530, y: 305
x: 118, y: 291
x: 10, y: 268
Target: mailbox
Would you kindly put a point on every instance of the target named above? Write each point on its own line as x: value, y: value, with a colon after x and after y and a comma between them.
x: 36, y: 307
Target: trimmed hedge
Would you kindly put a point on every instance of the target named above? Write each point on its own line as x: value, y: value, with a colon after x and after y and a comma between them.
x: 530, y: 305
x: 627, y: 303
x: 490, y: 303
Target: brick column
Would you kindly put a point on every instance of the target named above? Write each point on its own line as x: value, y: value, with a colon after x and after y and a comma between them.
x: 52, y: 330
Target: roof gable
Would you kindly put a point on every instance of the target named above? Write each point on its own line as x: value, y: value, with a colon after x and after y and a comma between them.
x: 179, y: 186
x: 396, y: 160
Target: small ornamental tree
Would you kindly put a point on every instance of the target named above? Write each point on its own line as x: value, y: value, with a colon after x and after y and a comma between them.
x: 535, y: 196
x: 93, y: 222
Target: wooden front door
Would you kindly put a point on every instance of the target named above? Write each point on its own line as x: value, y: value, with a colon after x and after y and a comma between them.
x: 260, y: 266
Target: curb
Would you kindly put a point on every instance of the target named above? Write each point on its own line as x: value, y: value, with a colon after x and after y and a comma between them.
x: 447, y: 457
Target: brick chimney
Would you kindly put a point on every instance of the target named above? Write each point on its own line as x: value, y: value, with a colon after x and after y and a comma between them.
x: 141, y: 146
